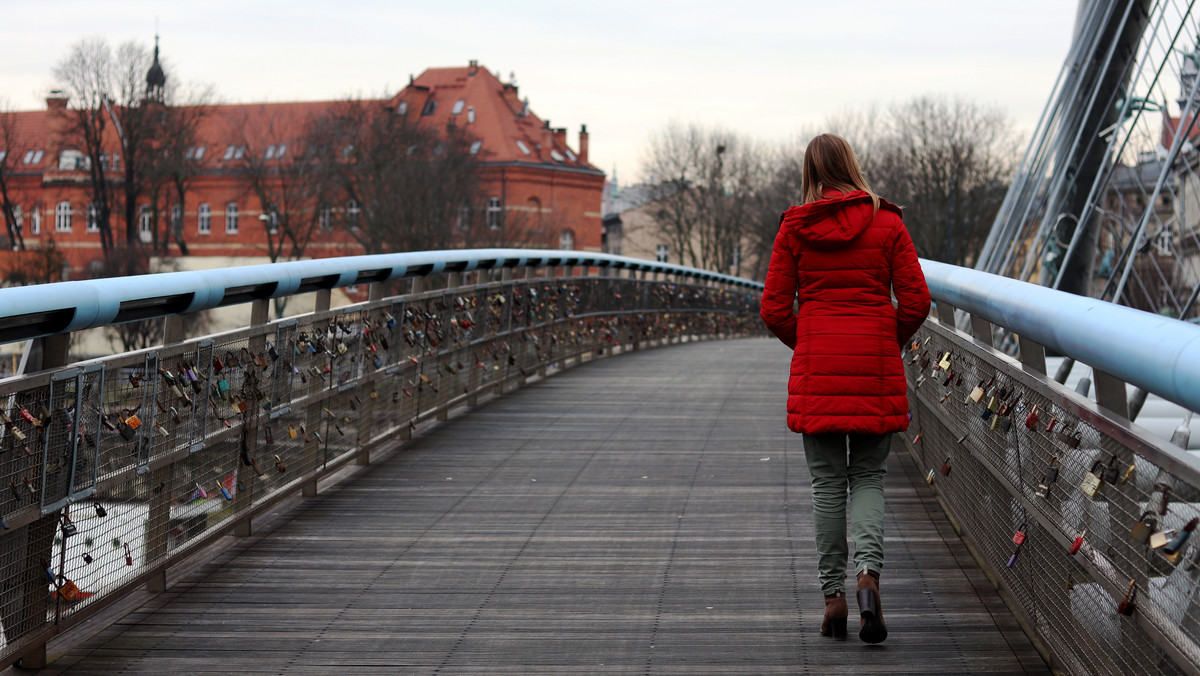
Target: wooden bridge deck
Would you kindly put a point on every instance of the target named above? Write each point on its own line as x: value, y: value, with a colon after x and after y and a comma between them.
x: 648, y: 513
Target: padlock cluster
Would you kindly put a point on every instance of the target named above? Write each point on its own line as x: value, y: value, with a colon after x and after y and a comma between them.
x: 983, y: 415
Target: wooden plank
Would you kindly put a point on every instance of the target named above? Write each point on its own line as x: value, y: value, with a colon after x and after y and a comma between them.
x: 645, y: 513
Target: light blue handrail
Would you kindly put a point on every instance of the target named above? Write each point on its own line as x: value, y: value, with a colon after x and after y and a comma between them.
x: 1158, y: 354
x: 47, y: 309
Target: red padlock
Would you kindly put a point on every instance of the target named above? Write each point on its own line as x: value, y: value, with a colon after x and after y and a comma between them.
x: 1019, y: 535
x: 1078, y: 542
x: 1031, y: 420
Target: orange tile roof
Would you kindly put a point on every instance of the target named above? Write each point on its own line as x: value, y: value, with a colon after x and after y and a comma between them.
x: 501, y: 120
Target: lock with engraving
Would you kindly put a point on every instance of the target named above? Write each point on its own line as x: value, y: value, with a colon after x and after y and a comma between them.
x: 68, y: 527
x: 1077, y: 543
x: 1019, y: 535
x: 1143, y: 528
x: 1048, y: 478
x: 1091, y: 480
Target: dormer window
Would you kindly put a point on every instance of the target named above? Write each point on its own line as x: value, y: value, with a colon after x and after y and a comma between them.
x: 3, y: 155
x: 458, y: 107
x: 32, y: 157
x: 71, y: 160
x: 556, y: 155
x: 470, y: 114
x: 571, y: 155
x: 402, y: 108
x: 475, y: 147
x: 275, y: 152
x: 194, y: 153
x: 235, y: 152
x: 430, y: 106
x: 524, y: 148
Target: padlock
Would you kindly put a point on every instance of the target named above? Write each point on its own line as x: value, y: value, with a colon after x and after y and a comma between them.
x: 1125, y: 607
x: 986, y: 413
x: 68, y: 527
x: 100, y: 511
x: 279, y: 465
x: 29, y: 417
x: 1144, y: 528
x: 1078, y: 542
x: 1075, y: 439
x: 946, y: 467
x: 87, y: 558
x: 1111, y: 471
x: 929, y: 477
x: 1161, y: 539
x: 1163, y: 489
x: 1181, y: 537
x: 1051, y: 474
x: 17, y: 433
x: 917, y: 439
x: 217, y: 365
x: 272, y: 352
x: 995, y: 422
x: 133, y: 421
x: 292, y: 434
x: 1031, y: 420
x: 128, y: 555
x: 270, y: 437
x: 1128, y: 474
x: 224, y: 491
x: 1091, y: 480
x: 1050, y: 425
x: 341, y: 348
x: 947, y: 380
x: 50, y: 572
x: 1019, y: 535
x: 944, y: 364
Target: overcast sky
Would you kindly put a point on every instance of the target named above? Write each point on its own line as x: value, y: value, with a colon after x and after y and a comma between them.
x: 760, y: 67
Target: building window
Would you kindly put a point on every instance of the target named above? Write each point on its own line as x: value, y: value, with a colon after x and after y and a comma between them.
x: 35, y: 220
x: 270, y: 219
x: 325, y: 219
x: 16, y: 210
x: 558, y: 157
x: 231, y: 218
x: 475, y: 147
x: 275, y: 152
x: 737, y: 260
x: 194, y: 153
x: 402, y: 108
x: 145, y: 220
x: 662, y: 253
x: 430, y: 107
x: 353, y: 211
x: 32, y: 157
x: 524, y: 148
x: 3, y: 155
x: 566, y: 240
x: 204, y: 219
x: 62, y: 217
x: 93, y: 217
x: 470, y: 114
x: 235, y: 152
x: 464, y: 218
x: 493, y: 213
x: 458, y: 107
x: 176, y: 218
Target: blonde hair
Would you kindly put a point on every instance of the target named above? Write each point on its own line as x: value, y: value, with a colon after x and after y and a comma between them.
x: 829, y: 162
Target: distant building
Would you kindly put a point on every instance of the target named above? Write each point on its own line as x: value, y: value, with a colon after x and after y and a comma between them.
x: 531, y: 178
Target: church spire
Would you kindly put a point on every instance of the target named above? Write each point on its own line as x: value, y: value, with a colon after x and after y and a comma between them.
x: 156, y: 79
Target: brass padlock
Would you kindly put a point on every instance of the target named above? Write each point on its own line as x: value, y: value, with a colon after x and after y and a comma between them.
x: 1160, y: 539
x: 1091, y: 480
x: 1144, y: 528
x: 977, y: 393
x: 944, y: 364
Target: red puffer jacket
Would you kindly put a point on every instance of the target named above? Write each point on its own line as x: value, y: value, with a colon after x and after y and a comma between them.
x: 843, y: 262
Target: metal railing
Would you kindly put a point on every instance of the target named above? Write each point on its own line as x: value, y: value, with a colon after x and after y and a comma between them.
x: 114, y: 469
x: 1080, y: 515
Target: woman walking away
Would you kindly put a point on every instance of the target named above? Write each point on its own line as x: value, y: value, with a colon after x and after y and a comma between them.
x: 837, y: 261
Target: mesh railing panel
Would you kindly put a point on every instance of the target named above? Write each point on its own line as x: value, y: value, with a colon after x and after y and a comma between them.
x: 119, y: 467
x: 1006, y: 450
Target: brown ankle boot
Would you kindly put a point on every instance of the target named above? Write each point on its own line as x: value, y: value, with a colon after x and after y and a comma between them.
x: 871, y: 626
x: 836, y: 612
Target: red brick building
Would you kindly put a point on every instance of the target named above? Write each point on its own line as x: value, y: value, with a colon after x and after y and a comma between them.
x: 530, y: 175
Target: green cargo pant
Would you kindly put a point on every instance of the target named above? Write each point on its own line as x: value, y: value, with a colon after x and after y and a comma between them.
x: 834, y: 470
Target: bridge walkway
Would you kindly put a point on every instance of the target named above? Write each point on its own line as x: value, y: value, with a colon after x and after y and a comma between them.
x: 648, y: 513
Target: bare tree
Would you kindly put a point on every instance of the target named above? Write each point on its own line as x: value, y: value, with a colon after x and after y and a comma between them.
x: 11, y: 148
x: 405, y: 187
x: 949, y: 162
x: 42, y: 264
x: 137, y: 120
x: 87, y: 72
x: 709, y: 181
x: 175, y: 159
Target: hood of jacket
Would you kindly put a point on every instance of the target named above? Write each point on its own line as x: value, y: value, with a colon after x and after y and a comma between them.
x: 833, y: 222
